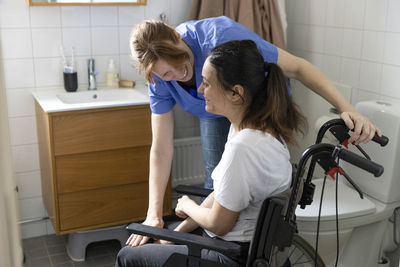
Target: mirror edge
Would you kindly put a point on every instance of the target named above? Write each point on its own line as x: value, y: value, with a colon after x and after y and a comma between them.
x: 138, y: 3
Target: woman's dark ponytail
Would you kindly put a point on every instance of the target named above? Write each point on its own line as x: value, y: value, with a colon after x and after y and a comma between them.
x: 269, y: 106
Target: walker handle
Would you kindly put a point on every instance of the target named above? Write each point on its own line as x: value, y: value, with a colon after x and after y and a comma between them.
x: 361, y: 162
x: 382, y: 140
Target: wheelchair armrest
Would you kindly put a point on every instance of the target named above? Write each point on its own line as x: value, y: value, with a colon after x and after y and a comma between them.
x: 193, y: 190
x: 191, y: 240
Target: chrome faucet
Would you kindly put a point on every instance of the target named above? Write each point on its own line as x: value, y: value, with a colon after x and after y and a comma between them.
x: 91, y: 75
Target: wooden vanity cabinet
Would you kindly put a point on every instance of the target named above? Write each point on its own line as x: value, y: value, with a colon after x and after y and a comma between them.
x: 95, y: 166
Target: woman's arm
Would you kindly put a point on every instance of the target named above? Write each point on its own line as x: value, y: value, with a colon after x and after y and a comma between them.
x: 161, y: 154
x: 216, y: 218
x: 302, y: 70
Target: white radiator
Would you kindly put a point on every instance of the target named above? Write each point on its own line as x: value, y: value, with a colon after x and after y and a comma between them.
x: 187, y: 164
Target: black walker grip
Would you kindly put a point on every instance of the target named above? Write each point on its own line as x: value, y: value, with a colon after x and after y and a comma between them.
x: 382, y: 140
x: 361, y: 162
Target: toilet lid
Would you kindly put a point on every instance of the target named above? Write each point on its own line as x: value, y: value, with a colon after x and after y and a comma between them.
x: 349, y: 203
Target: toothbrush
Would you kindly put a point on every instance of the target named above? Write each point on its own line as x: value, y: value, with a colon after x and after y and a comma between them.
x: 72, y: 59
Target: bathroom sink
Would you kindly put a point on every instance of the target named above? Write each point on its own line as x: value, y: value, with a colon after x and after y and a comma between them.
x: 59, y: 100
x: 117, y: 95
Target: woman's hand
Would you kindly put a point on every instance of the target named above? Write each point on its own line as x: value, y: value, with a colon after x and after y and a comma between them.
x: 137, y: 240
x: 181, y: 206
x: 363, y: 129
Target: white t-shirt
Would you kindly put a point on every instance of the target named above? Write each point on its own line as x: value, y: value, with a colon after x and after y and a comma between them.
x: 254, y: 166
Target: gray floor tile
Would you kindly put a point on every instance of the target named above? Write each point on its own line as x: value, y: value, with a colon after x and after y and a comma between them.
x: 43, y: 262
x: 59, y: 258
x: 32, y: 243
x: 35, y: 254
x: 50, y: 251
x: 59, y: 249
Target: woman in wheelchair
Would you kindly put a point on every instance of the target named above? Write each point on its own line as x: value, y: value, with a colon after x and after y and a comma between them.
x: 253, y: 95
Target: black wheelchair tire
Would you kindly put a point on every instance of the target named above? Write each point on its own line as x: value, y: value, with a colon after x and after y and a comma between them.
x: 301, y: 253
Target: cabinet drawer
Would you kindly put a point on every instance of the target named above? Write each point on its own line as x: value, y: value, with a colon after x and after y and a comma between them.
x: 101, y: 206
x: 102, y: 169
x: 102, y: 130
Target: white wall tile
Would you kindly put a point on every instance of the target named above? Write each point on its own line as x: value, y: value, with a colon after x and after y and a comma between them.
x: 104, y: 15
x: 10, y: 48
x: 393, y: 17
x: 18, y: 73
x: 331, y: 67
x: 124, y: 33
x: 334, y: 13
x: 317, y: 15
x: 25, y: 158
x: 31, y: 208
x: 33, y: 229
x: 179, y: 11
x: 128, y: 69
x: 29, y: 184
x: 333, y: 41
x: 14, y: 14
x: 350, y: 72
x: 45, y: 17
x: 48, y: 72
x: 352, y: 43
x: 105, y: 41
x: 46, y: 42
x: 20, y: 102
x: 79, y: 38
x: 23, y: 130
x: 370, y: 76
x: 390, y: 77
x: 81, y: 65
x: 354, y: 11
x: 315, y: 39
x: 299, y: 36
x: 373, y: 44
x: 49, y: 228
x: 75, y: 16
x: 130, y: 15
x: 391, y: 52
x: 375, y: 15
x: 366, y: 96
x: 155, y: 8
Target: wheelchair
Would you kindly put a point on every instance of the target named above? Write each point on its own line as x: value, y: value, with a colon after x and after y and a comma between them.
x: 275, y: 242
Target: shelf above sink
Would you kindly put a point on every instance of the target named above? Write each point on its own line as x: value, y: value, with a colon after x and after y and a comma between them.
x: 59, y: 100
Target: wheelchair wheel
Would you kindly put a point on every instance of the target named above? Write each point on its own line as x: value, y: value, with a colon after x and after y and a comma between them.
x: 302, y: 254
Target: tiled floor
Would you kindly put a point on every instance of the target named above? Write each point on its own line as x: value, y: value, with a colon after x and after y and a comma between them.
x: 49, y: 251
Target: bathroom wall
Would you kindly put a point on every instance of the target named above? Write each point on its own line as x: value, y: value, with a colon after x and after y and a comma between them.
x: 355, y: 43
x: 30, y: 38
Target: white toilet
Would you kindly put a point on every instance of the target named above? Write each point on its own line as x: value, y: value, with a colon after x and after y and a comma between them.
x: 363, y: 223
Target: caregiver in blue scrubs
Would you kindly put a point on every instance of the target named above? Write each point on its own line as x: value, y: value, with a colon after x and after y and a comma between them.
x: 172, y: 61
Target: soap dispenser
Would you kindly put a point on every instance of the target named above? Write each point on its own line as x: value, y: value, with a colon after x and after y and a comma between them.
x: 112, y: 76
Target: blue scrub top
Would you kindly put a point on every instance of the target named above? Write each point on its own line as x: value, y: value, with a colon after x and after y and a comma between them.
x: 202, y: 36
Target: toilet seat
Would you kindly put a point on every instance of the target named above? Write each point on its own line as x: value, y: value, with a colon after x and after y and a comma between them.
x: 352, y: 210
x: 349, y: 203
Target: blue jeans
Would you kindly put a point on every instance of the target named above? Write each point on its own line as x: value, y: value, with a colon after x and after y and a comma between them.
x: 214, y: 133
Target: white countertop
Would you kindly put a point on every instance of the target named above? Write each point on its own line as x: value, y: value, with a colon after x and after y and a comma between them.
x: 57, y: 100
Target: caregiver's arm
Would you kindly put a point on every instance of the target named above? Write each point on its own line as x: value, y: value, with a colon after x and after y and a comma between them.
x: 305, y: 72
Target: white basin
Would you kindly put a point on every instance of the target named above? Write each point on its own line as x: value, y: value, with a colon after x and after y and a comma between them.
x: 59, y: 100
x: 117, y: 95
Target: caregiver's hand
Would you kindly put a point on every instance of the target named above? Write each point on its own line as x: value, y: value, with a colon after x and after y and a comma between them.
x: 363, y: 129
x: 137, y: 240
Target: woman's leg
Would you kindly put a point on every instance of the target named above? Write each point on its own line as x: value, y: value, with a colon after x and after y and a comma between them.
x: 154, y: 255
x: 214, y: 133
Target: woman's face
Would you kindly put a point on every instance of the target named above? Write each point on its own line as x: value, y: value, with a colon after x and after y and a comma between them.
x: 167, y: 72
x: 182, y: 73
x: 215, y: 96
